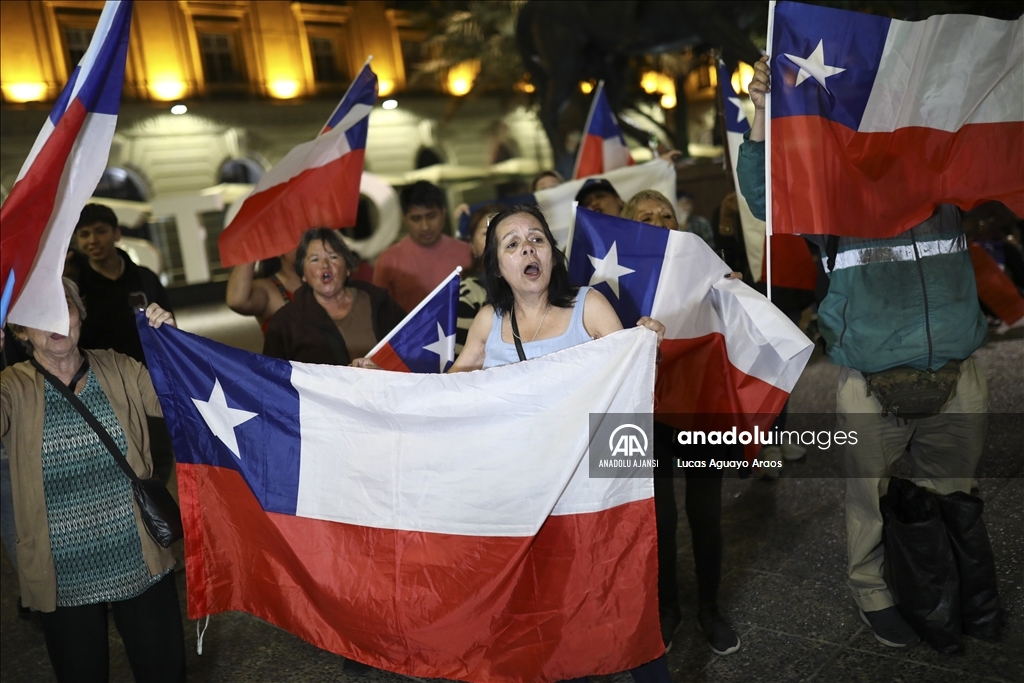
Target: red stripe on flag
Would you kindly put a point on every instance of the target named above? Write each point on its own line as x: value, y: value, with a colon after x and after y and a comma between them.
x: 995, y: 289
x: 591, y: 156
x: 579, y: 598
x: 827, y: 178
x: 695, y: 377
x: 387, y: 359
x: 33, y: 199
x: 792, y: 264
x: 271, y: 222
x: 191, y: 519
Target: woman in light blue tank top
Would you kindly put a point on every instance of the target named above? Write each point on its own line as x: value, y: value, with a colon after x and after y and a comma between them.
x: 533, y: 311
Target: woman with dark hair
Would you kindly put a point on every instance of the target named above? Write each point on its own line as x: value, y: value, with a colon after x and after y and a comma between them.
x: 532, y: 310
x: 332, y: 319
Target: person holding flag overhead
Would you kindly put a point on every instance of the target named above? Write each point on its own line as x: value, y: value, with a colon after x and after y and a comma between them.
x: 333, y: 319
x: 901, y: 316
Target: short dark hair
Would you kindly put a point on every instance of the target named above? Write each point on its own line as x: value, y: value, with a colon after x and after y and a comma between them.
x: 332, y: 239
x: 499, y: 294
x: 97, y: 213
x: 422, y: 193
x: 551, y: 173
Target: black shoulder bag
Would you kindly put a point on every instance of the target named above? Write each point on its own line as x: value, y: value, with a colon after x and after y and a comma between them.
x: 159, y: 512
x: 515, y: 334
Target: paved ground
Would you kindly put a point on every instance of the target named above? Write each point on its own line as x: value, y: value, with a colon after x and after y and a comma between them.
x: 783, y: 585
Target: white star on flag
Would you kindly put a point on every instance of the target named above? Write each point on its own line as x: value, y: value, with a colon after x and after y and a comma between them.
x: 813, y: 66
x: 221, y: 419
x: 443, y: 347
x: 608, y: 270
x: 740, y: 114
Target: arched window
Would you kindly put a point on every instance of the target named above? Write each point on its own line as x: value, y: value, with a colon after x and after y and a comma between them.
x: 122, y: 183
x: 242, y: 171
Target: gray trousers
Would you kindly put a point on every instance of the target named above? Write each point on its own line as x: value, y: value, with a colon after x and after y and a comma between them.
x: 944, y: 448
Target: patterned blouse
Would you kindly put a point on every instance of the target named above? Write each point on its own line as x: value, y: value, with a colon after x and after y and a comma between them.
x: 94, y: 540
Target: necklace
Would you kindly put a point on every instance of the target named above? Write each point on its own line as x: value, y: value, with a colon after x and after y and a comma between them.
x: 542, y: 319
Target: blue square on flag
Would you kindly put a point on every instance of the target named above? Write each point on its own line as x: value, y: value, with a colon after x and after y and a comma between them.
x: 825, y: 61
x: 622, y: 259
x: 242, y: 412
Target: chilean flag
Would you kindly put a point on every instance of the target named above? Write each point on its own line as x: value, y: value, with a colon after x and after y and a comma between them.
x: 873, y: 122
x: 603, y: 148
x: 792, y: 265
x: 58, y: 177
x: 438, y: 526
x: 727, y: 349
x: 314, y: 185
x: 425, y: 339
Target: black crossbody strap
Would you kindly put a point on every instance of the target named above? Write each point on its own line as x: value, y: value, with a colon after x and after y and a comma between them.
x: 515, y: 334
x: 90, y: 419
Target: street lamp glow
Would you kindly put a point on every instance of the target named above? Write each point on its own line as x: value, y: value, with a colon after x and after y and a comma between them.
x: 390, y: 104
x: 179, y: 109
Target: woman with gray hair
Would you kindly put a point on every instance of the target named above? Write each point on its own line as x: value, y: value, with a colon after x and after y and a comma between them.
x: 81, y: 541
x: 332, y: 319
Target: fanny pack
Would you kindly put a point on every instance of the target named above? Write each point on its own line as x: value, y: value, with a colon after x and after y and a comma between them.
x: 911, y: 394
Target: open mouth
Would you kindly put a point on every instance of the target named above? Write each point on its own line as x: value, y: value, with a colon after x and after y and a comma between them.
x: 532, y: 269
x: 326, y: 277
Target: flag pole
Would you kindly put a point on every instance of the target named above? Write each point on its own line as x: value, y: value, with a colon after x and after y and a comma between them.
x: 768, y: 160
x: 419, y: 307
x: 572, y: 231
x: 350, y: 86
x: 586, y: 127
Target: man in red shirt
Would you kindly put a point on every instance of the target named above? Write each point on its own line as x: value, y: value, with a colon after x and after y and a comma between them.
x: 413, y: 266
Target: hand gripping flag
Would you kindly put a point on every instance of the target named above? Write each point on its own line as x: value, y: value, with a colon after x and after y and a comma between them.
x: 727, y: 349
x: 58, y: 177
x: 315, y: 185
x: 792, y: 265
x: 439, y: 526
x: 425, y: 339
x: 873, y: 122
x: 602, y: 148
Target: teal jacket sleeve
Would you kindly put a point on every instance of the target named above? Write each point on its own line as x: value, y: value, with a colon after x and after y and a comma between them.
x: 750, y: 171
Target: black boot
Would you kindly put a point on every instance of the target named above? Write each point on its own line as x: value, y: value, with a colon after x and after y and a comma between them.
x: 981, y: 612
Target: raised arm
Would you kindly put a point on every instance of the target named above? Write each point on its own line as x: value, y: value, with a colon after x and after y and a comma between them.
x: 759, y: 87
x: 243, y: 296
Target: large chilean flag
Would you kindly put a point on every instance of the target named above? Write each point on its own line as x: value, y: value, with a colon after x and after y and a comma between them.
x: 58, y: 177
x: 314, y: 185
x: 602, y: 148
x: 439, y: 526
x: 873, y: 121
x: 727, y: 349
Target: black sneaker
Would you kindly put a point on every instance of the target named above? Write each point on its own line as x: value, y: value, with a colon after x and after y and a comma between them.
x: 889, y: 627
x: 722, y: 639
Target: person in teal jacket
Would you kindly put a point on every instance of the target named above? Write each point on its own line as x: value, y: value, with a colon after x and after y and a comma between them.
x: 900, y: 311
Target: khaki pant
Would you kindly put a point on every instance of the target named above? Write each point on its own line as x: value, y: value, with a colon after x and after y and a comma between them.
x: 945, y: 450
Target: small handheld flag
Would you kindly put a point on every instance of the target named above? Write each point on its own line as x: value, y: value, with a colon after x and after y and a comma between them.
x: 425, y: 339
x: 602, y: 148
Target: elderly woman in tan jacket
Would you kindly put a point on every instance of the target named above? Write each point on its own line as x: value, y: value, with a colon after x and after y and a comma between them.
x: 81, y: 541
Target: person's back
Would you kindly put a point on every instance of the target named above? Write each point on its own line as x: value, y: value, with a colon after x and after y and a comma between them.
x: 411, y: 268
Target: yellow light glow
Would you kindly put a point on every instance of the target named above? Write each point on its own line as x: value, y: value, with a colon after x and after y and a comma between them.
x: 385, y: 87
x: 25, y: 92
x: 167, y: 91
x: 741, y: 78
x: 525, y: 86
x: 649, y: 82
x: 586, y: 87
x: 284, y: 89
x: 461, y: 77
x: 668, y: 101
